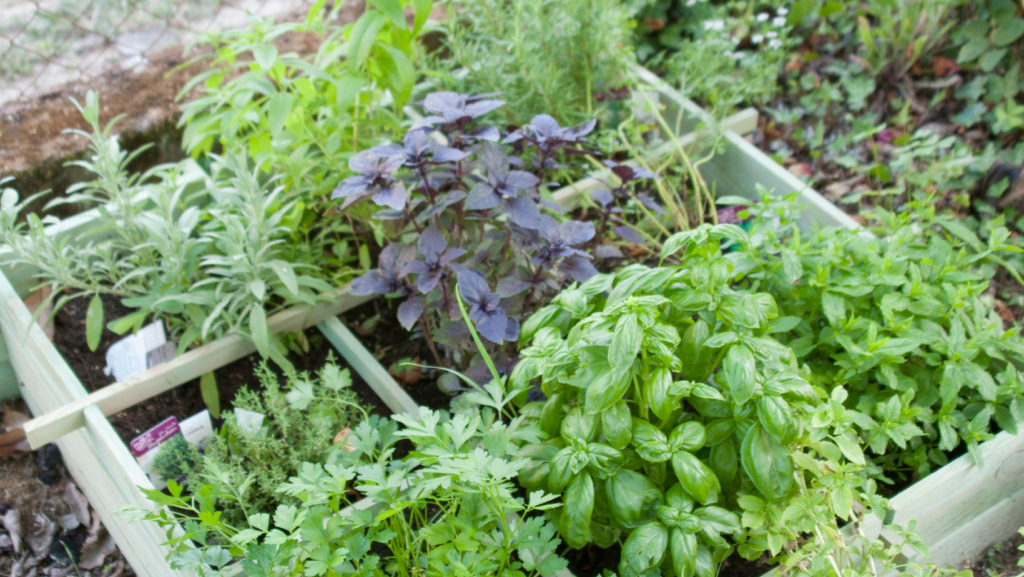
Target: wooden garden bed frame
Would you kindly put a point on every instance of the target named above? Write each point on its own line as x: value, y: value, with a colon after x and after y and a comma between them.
x: 960, y: 508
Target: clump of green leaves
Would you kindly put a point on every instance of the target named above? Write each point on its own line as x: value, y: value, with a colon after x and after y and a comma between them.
x: 449, y: 508
x: 205, y: 252
x: 898, y: 323
x: 668, y: 399
x: 176, y: 458
x: 301, y: 421
x: 559, y: 56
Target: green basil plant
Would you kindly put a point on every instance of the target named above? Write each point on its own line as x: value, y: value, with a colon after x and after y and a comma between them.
x: 668, y: 400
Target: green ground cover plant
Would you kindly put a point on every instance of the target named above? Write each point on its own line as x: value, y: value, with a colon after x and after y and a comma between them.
x: 302, y: 419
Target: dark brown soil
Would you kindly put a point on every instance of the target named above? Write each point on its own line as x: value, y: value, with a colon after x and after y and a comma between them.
x: 185, y: 400
x: 376, y: 324
x: 1000, y: 560
x: 592, y: 560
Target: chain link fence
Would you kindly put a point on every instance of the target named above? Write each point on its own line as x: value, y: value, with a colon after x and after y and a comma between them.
x: 48, y: 43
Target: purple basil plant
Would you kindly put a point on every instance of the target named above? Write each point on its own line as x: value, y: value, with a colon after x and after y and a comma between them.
x: 466, y: 200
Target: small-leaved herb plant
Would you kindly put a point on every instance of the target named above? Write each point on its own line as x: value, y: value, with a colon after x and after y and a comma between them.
x: 900, y: 323
x: 449, y: 508
x: 209, y: 253
x: 302, y: 420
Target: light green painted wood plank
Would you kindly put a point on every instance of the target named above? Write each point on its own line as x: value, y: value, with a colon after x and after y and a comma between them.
x: 363, y: 363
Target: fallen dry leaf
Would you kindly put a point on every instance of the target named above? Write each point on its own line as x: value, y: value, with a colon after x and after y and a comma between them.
x: 40, y: 539
x: 800, y: 169
x: 96, y: 549
x: 1003, y: 311
x: 77, y: 502
x: 5, y: 542
x: 654, y: 24
x: 12, y: 523
x: 409, y: 375
x: 943, y: 67
x: 68, y: 522
x: 342, y: 437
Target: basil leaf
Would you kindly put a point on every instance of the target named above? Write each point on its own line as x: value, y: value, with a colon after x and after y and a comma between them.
x: 643, y: 550
x: 774, y: 415
x: 766, y: 462
x: 561, y: 470
x: 688, y: 436
x: 617, y: 425
x: 723, y: 461
x: 607, y: 390
x: 658, y: 393
x: 94, y: 323
x: 630, y: 495
x: 626, y: 342
x: 696, y: 478
x: 577, y: 510
x: 683, y: 547
x: 650, y: 443
x: 739, y: 370
x: 718, y: 431
x: 551, y: 415
x: 579, y: 426
x: 695, y: 356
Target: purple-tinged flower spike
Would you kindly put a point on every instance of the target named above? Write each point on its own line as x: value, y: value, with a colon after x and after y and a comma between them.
x: 545, y: 132
x: 560, y: 238
x: 389, y: 277
x: 432, y: 246
x: 454, y: 108
x: 502, y: 188
x: 484, y: 308
x: 374, y: 179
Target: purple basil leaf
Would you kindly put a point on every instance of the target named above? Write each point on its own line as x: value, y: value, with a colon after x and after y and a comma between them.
x: 409, y: 312
x: 416, y: 267
x: 520, y: 179
x: 493, y: 325
x: 731, y: 214
x: 511, y: 286
x: 545, y: 125
x: 575, y: 232
x: 603, y: 197
x: 579, y: 268
x: 483, y: 107
x: 548, y: 228
x: 427, y: 282
x: 625, y: 173
x: 650, y: 203
x: 370, y: 283
x: 628, y: 234
x: 448, y: 155
x: 482, y: 197
x: 450, y: 255
x: 387, y: 150
x: 488, y: 133
x: 392, y: 196
x: 512, y: 329
x: 493, y: 157
x: 523, y: 212
x: 581, y: 130
x: 432, y: 242
x: 472, y: 286
x: 608, y: 251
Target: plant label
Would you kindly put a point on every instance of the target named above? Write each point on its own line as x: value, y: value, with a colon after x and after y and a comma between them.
x: 152, y: 438
x: 132, y: 354
x: 146, y: 447
x: 249, y: 421
x: 198, y: 429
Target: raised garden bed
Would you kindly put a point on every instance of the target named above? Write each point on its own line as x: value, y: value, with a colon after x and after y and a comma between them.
x: 950, y: 505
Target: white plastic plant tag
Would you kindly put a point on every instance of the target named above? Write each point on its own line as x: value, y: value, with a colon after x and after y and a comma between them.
x: 198, y: 429
x: 249, y: 421
x: 130, y: 355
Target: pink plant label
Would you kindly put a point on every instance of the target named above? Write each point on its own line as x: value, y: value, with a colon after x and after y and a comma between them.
x: 152, y: 438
